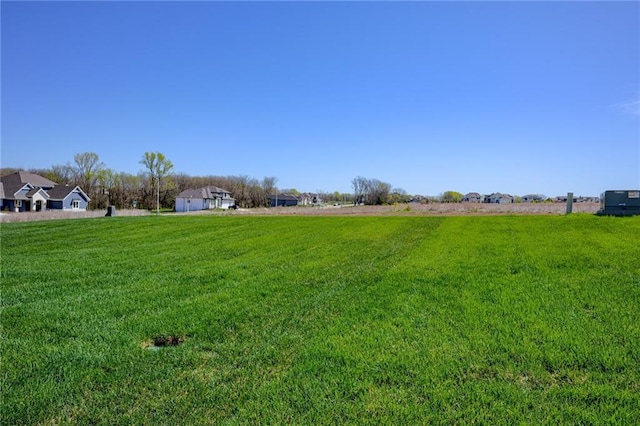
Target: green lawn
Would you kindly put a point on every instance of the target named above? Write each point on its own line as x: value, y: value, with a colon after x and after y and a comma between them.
x: 321, y: 320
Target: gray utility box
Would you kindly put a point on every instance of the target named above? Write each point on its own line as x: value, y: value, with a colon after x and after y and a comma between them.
x: 620, y: 203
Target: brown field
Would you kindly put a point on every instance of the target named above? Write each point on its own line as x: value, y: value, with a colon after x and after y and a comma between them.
x: 434, y: 209
x: 56, y: 214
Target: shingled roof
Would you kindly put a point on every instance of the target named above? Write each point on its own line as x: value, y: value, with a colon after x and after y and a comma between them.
x: 18, y: 179
x: 206, y: 193
x: 60, y: 192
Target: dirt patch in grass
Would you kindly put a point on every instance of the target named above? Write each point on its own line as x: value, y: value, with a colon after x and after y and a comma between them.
x: 158, y: 342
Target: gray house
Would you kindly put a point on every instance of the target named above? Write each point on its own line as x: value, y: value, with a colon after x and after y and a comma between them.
x: 472, y: 197
x: 209, y: 197
x: 283, y: 200
x: 24, y: 192
x: 499, y: 198
x: 533, y: 198
x: 63, y: 197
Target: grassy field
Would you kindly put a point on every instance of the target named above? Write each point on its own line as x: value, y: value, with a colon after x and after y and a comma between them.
x: 321, y: 320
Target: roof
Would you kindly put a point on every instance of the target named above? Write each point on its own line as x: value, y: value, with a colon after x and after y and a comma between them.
x: 60, y: 192
x: 25, y: 177
x: 206, y: 193
x: 34, y: 191
x: 14, y: 182
x: 286, y: 197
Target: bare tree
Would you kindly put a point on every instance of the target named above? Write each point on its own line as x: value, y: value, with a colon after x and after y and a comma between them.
x: 359, y: 186
x: 268, y: 188
x: 158, y: 167
x: 108, y: 180
x: 370, y: 191
x: 86, y: 169
x: 61, y: 174
x: 129, y: 190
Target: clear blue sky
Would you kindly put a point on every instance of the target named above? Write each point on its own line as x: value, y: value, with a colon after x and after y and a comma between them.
x: 516, y: 97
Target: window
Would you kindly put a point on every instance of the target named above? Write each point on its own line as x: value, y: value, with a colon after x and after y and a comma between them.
x: 75, y: 204
x: 18, y: 203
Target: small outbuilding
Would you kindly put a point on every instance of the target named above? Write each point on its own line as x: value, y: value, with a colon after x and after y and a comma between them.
x: 620, y: 203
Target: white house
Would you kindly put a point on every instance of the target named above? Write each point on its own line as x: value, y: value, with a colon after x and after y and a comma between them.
x: 209, y: 197
x: 498, y: 198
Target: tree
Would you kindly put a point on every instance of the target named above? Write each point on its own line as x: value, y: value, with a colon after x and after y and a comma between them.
x: 108, y: 180
x: 158, y: 167
x: 452, y: 197
x: 359, y: 184
x: 129, y: 190
x: 370, y: 191
x: 86, y: 170
x: 378, y: 192
x: 398, y: 195
x: 268, y: 188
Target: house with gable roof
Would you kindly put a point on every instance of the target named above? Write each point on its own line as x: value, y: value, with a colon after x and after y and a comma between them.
x: 472, y: 197
x: 209, y: 197
x: 499, y: 198
x: 23, y: 192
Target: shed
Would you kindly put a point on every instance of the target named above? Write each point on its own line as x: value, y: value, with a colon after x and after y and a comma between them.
x: 620, y: 203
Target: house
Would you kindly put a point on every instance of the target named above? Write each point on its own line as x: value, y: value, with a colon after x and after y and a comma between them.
x: 499, y: 198
x: 472, y: 197
x: 209, y: 197
x: 284, y: 200
x: 533, y: 198
x: 63, y: 197
x: 308, y: 199
x: 23, y: 192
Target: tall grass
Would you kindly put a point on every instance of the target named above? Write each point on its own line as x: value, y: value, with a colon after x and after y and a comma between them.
x: 321, y: 320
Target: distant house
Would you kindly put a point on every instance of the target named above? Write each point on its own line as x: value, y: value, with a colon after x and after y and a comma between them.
x: 533, y: 198
x: 580, y: 199
x: 499, y: 198
x: 472, y: 197
x: 283, y: 200
x: 308, y: 199
x: 209, y: 197
x: 24, y: 192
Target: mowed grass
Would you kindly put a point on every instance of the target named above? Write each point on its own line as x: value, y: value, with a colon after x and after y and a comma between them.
x: 321, y: 320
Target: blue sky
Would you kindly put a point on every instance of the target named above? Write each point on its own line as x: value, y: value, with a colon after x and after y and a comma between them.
x: 516, y: 97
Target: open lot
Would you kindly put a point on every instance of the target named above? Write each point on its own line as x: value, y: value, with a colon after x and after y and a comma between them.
x: 391, y: 319
x: 415, y: 209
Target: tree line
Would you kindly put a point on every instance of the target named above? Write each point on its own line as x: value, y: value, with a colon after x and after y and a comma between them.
x: 154, y: 187
x: 157, y: 185
x: 375, y: 192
